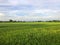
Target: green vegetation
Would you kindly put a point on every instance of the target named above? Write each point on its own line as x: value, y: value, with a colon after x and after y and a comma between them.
x: 30, y: 33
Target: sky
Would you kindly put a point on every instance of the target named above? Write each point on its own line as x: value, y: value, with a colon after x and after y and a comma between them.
x: 29, y: 10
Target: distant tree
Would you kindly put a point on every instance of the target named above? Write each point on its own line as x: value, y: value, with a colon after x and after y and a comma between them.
x: 53, y: 21
x: 39, y: 21
x: 15, y: 21
x: 10, y: 20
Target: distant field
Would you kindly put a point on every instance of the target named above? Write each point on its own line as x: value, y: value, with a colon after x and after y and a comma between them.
x: 30, y: 33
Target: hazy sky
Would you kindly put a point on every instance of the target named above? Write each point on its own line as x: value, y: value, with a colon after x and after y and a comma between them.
x: 30, y: 10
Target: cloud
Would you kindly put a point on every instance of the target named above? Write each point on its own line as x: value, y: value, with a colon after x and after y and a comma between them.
x: 1, y: 14
x: 33, y: 15
x: 13, y: 2
x: 30, y: 10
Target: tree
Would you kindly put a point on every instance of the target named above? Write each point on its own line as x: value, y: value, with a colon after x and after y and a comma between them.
x: 10, y: 20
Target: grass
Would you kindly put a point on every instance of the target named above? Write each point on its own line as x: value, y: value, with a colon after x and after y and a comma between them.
x: 30, y: 33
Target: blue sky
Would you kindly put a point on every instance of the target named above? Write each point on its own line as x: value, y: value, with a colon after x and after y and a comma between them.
x: 29, y: 10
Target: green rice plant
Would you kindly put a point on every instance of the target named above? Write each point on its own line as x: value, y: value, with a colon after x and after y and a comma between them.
x: 30, y: 33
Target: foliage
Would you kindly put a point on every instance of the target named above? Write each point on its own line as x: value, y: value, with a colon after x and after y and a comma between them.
x: 30, y: 33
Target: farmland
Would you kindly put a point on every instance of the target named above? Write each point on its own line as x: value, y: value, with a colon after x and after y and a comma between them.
x: 30, y: 33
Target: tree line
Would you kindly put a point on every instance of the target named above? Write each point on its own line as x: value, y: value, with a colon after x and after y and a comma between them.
x: 31, y: 21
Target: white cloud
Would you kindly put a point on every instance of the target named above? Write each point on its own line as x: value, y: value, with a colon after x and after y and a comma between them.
x: 13, y: 2
x: 1, y: 14
x: 45, y: 11
x: 42, y: 9
x: 34, y: 15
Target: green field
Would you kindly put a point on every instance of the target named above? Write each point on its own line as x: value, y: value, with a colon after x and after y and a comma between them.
x: 30, y: 33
